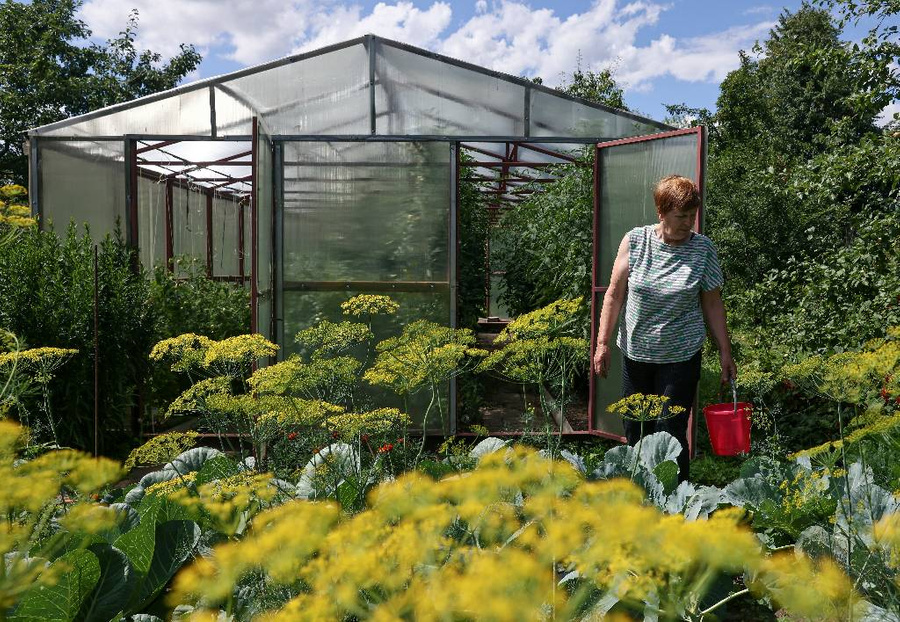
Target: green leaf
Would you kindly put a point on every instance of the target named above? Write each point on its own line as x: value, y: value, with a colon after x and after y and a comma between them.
x: 60, y: 602
x: 215, y: 468
x: 347, y: 493
x: 113, y: 589
x: 667, y: 474
x: 193, y: 459
x: 175, y: 543
x: 658, y: 448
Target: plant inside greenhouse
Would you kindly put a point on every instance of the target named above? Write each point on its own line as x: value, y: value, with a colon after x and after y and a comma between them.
x: 361, y: 334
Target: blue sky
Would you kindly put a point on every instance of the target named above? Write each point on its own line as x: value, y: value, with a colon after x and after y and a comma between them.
x: 662, y: 51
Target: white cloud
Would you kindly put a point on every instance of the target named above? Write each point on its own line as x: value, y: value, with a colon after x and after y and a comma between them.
x: 764, y: 9
x: 401, y: 21
x: 506, y: 35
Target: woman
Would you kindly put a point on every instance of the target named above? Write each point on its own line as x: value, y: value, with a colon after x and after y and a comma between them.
x: 673, y: 281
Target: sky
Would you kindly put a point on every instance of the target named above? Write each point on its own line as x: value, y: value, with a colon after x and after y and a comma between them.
x: 661, y: 52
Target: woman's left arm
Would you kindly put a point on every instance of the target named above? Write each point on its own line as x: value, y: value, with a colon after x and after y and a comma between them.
x: 714, y: 313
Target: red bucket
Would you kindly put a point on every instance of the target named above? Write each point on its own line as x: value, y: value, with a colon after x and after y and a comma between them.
x: 729, y: 431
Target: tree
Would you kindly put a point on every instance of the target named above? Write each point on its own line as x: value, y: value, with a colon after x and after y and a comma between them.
x: 50, y: 71
x: 804, y: 96
x: 596, y: 86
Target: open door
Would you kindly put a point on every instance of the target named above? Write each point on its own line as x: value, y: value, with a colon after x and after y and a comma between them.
x: 261, y: 234
x: 625, y: 173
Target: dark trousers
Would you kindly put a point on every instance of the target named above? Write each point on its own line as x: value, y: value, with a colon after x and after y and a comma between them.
x: 677, y: 381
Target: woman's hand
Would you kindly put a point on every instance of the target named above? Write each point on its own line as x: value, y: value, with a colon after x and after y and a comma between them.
x: 729, y: 369
x: 601, y: 360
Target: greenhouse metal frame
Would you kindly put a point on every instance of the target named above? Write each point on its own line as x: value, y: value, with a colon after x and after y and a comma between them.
x: 337, y: 171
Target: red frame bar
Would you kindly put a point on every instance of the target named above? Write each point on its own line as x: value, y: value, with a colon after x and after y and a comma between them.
x: 240, y: 240
x: 209, y: 231
x: 597, y: 289
x: 170, y: 243
x: 133, y: 203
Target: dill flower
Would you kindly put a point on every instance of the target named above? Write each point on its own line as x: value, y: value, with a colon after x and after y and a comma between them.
x: 329, y: 338
x: 640, y: 407
x: 241, y: 350
x: 228, y: 501
x: 380, y: 420
x: 186, y: 351
x: 370, y: 304
x: 424, y: 353
x: 161, y: 449
x: 559, y: 316
x: 170, y: 486
x: 283, y: 411
x: 817, y: 591
x: 193, y: 399
x: 45, y: 360
x: 312, y: 380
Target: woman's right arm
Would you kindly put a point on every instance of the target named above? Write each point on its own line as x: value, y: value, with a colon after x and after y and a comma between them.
x: 612, y: 305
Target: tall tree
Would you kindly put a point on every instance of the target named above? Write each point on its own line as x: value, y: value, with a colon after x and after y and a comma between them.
x: 803, y: 96
x: 596, y: 86
x: 49, y: 70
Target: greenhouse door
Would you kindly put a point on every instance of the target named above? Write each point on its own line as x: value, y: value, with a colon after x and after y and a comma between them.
x: 262, y: 221
x: 625, y: 172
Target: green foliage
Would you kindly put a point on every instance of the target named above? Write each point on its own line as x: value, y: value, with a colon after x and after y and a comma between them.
x: 47, y: 299
x: 49, y: 71
x: 474, y: 229
x: 187, y: 301
x: 596, y: 86
x: 544, y: 245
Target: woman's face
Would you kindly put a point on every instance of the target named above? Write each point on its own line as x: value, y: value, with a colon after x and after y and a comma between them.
x: 677, y: 224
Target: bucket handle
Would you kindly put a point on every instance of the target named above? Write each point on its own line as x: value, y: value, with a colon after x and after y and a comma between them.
x: 734, y: 394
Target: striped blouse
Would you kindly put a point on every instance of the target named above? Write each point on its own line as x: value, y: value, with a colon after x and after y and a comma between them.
x: 663, y: 321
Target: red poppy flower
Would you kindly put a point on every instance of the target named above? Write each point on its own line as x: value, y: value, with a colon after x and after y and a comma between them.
x: 885, y: 395
x: 365, y: 438
x: 386, y: 448
x: 292, y: 436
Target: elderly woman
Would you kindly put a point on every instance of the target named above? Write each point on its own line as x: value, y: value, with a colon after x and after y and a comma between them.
x: 668, y: 279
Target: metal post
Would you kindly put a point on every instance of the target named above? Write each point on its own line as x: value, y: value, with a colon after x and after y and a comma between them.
x: 170, y: 242
x: 454, y: 272
x: 96, y: 356
x: 278, y: 249
x: 592, y: 380
x: 526, y: 130
x: 370, y: 47
x: 34, y: 180
x: 240, y: 240
x: 254, y: 230
x: 209, y: 233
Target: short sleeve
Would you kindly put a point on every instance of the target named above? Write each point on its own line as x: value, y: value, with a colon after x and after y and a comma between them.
x: 712, y: 272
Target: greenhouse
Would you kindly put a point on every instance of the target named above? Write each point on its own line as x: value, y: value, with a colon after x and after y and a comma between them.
x: 336, y: 172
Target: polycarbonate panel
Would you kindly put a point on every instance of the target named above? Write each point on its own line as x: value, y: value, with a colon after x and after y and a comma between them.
x: 184, y: 113
x: 189, y: 224
x: 608, y: 390
x: 557, y: 116
x: 374, y: 211
x: 305, y: 309
x: 265, y: 217
x: 628, y: 175
x: 225, y: 236
x: 498, y: 308
x: 83, y: 181
x: 151, y: 208
x: 422, y: 95
x: 325, y: 94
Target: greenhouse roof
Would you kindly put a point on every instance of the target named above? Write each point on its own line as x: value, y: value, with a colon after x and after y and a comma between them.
x: 365, y: 88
